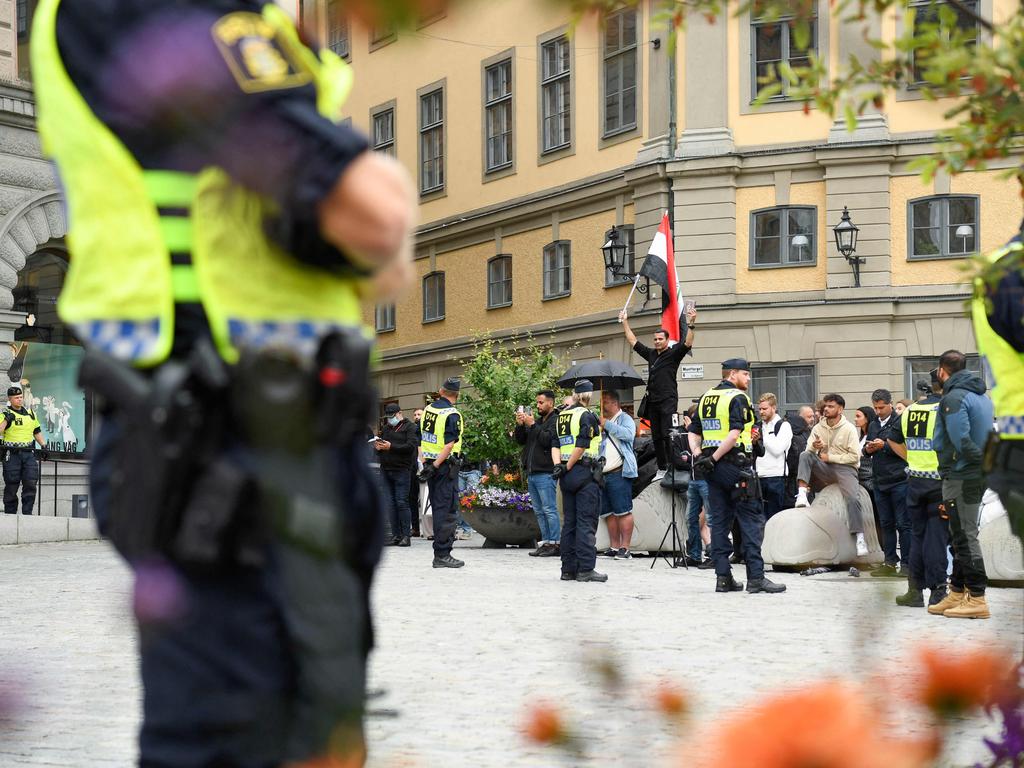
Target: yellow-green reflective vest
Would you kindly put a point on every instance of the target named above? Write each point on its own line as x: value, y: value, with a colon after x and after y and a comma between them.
x: 713, y: 411
x: 568, y: 429
x: 121, y: 285
x: 21, y: 428
x: 1004, y: 363
x: 918, y: 422
x: 432, y: 431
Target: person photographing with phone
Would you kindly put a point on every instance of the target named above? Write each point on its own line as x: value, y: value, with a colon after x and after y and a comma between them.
x: 396, y: 450
x: 535, y: 434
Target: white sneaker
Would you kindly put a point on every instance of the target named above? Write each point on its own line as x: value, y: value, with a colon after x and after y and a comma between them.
x: 862, y: 545
x: 801, y: 499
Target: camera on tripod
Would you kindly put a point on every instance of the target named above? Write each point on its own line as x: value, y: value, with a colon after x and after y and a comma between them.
x: 680, y: 471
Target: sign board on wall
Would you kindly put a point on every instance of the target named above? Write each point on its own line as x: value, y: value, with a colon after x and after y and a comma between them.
x: 49, y: 376
x: 691, y: 371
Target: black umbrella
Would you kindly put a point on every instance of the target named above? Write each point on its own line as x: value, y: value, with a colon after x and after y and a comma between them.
x: 605, y: 374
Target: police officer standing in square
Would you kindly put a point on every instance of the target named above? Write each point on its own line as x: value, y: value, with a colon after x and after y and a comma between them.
x: 575, y: 452
x: 441, y: 446
x: 721, y: 434
x: 21, y: 433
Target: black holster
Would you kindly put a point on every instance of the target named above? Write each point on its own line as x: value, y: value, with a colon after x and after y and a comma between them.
x: 748, y: 487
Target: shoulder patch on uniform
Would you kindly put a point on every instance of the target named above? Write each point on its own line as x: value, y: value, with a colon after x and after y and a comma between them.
x: 258, y: 56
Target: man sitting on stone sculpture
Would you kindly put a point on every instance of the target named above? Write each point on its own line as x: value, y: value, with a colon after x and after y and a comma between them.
x: 833, y: 456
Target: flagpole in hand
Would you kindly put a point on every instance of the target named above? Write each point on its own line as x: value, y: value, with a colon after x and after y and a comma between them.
x: 630, y: 297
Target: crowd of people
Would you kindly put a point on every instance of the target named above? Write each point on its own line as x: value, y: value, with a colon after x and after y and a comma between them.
x: 910, y: 468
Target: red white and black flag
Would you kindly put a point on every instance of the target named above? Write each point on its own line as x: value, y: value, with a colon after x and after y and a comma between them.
x: 660, y: 266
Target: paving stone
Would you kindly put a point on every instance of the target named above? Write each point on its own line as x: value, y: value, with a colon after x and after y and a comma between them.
x: 462, y: 654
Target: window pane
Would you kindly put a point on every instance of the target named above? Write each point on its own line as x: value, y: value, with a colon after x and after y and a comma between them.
x: 799, y: 386
x: 926, y: 242
x: 766, y: 251
x: 961, y: 211
x: 926, y: 214
x: 612, y: 33
x: 768, y: 42
x: 959, y: 243
x: 764, y: 380
x: 767, y: 224
x: 801, y: 221
x: 629, y: 28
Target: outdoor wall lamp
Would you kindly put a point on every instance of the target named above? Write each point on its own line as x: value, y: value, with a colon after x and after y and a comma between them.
x: 614, y: 253
x: 846, y: 244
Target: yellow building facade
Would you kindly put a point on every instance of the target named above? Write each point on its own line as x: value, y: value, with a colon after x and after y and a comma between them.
x: 529, y: 138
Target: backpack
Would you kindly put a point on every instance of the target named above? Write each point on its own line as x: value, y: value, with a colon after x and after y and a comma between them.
x: 796, y: 447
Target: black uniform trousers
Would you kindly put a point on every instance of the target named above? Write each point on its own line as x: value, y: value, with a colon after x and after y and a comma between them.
x: 1007, y: 480
x: 20, y: 468
x: 929, y: 534
x: 724, y: 510
x: 581, y: 508
x: 661, y: 424
x: 254, y: 667
x: 444, y: 501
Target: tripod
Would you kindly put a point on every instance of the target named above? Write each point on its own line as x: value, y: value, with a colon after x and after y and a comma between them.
x: 678, y: 554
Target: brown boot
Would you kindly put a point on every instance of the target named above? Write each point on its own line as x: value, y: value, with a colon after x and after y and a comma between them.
x: 952, y: 600
x: 971, y: 608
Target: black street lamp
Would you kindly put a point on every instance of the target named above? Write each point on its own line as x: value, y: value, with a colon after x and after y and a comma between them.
x: 614, y: 253
x: 846, y: 244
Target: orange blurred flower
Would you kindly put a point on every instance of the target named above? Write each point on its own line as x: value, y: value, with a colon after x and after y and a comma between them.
x: 544, y: 725
x: 510, y: 478
x: 671, y: 701
x: 954, y: 683
x: 830, y: 725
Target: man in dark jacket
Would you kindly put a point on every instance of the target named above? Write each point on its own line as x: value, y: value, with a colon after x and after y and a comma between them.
x: 965, y: 422
x: 396, y: 449
x: 535, y: 435
x: 889, y: 473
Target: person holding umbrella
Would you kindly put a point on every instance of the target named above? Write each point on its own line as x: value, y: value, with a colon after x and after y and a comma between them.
x: 575, y: 454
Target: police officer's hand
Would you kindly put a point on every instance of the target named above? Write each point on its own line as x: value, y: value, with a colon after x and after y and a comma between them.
x: 370, y: 211
x: 44, y: 455
x: 705, y: 464
x: 558, y: 471
x: 428, y: 471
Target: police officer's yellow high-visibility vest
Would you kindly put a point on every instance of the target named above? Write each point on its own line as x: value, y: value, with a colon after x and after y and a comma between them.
x: 432, y: 425
x: 918, y: 422
x: 21, y: 428
x: 568, y: 430
x: 713, y: 412
x: 143, y: 240
x: 1005, y: 364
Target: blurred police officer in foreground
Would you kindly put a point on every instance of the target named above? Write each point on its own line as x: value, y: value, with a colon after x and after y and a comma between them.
x: 998, y: 313
x: 222, y: 228
x: 441, y: 448
x: 575, y: 450
x: 721, y: 433
x: 929, y: 531
x: 21, y: 433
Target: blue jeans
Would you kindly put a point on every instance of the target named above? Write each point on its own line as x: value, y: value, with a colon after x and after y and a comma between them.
x: 396, y: 491
x: 696, y: 496
x: 773, y: 491
x: 892, y: 514
x: 545, y: 505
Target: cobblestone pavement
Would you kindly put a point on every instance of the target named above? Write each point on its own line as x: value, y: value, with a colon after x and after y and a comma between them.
x: 461, y: 654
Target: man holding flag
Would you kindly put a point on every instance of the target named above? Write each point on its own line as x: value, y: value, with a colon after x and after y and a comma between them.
x: 668, y: 352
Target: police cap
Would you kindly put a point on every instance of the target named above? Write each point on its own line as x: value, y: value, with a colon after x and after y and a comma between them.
x: 12, y: 390
x: 452, y: 384
x: 583, y: 385
x: 391, y: 409
x: 735, y: 364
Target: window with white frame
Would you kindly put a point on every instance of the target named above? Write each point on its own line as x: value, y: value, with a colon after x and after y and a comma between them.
x: 432, y: 141
x: 499, y: 281
x: 621, y: 62
x: 557, y: 269
x: 498, y: 115
x: 792, y: 385
x: 384, y: 317
x: 384, y: 131
x: 556, y: 98
x: 433, y: 297
x: 783, y: 236
x: 942, y: 227
x: 337, y: 29
x: 773, y: 43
